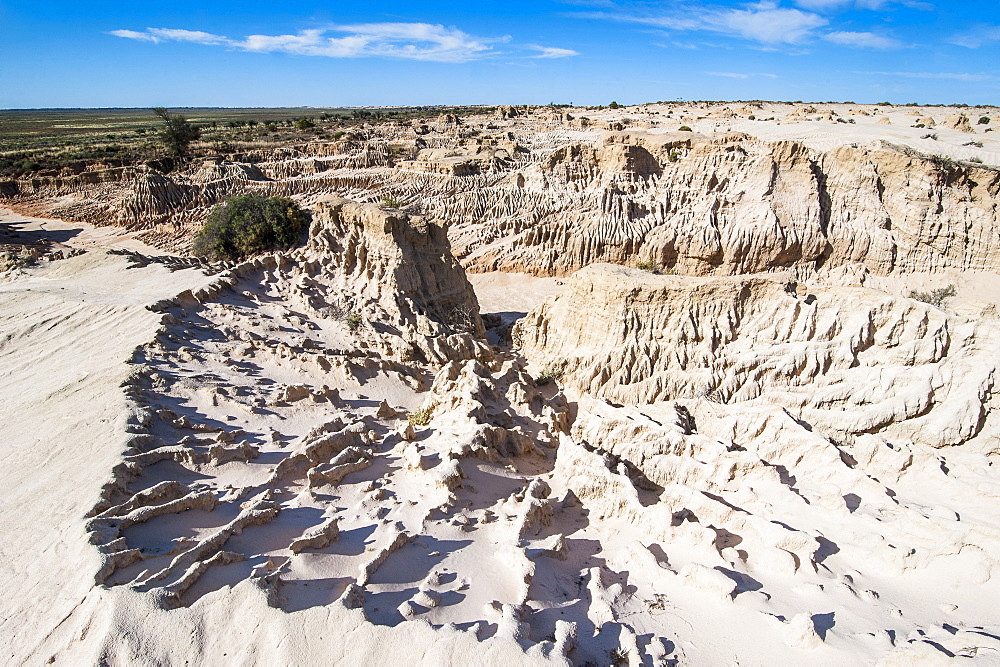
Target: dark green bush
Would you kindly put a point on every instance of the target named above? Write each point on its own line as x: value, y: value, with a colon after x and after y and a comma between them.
x: 249, y: 225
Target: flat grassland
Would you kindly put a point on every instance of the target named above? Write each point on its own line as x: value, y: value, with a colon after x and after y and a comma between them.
x: 43, y: 140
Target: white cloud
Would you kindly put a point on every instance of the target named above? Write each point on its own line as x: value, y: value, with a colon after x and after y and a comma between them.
x: 411, y: 41
x: 764, y: 22
x: 957, y: 76
x: 867, y: 40
x: 157, y: 35
x: 978, y: 36
x: 552, y: 52
x: 742, y: 75
x: 874, y: 5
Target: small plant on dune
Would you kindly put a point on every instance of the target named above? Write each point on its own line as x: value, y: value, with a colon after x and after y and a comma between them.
x: 685, y: 128
x: 420, y: 417
x: 976, y: 160
x: 648, y: 265
x: 549, y: 375
x: 984, y: 120
x: 619, y: 657
x: 249, y: 225
x: 614, y: 105
x: 389, y: 202
x: 353, y: 322
x: 673, y: 156
x: 937, y: 298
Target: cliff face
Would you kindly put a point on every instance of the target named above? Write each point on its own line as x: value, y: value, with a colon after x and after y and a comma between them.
x: 549, y: 202
x: 849, y: 360
x: 392, y: 272
x: 734, y: 205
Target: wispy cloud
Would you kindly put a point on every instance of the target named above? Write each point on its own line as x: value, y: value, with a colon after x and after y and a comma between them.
x: 743, y: 75
x: 977, y: 36
x: 157, y: 35
x: 552, y: 52
x: 874, y: 5
x: 957, y: 76
x: 764, y: 22
x: 410, y: 41
x: 867, y: 40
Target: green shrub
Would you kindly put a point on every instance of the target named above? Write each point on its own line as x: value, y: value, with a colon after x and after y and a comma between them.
x: 673, y: 156
x: 684, y: 128
x: 353, y: 322
x: 420, y: 417
x: 614, y: 105
x: 304, y: 124
x: 648, y: 265
x: 389, y: 202
x: 249, y: 225
x: 984, y: 120
x: 549, y: 375
x: 938, y: 297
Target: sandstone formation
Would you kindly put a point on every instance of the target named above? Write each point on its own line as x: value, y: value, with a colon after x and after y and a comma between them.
x: 532, y: 193
x: 768, y: 445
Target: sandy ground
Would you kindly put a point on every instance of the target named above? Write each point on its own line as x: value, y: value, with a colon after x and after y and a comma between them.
x: 68, y: 329
x: 17, y: 228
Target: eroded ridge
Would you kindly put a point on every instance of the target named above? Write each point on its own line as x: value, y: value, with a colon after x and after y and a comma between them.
x: 546, y: 192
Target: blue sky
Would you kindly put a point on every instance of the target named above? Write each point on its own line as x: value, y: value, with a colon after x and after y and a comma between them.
x: 305, y: 53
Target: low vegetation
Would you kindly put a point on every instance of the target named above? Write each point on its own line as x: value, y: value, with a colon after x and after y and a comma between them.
x: 549, y: 374
x: 249, y: 225
x: 937, y: 298
x: 420, y: 417
x: 353, y: 322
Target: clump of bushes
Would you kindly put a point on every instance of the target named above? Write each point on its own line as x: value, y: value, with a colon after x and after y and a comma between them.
x: 249, y: 225
x: 937, y: 298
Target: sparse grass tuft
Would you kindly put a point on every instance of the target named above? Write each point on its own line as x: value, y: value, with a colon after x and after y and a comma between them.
x: 648, y: 265
x: 389, y: 202
x: 353, y: 322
